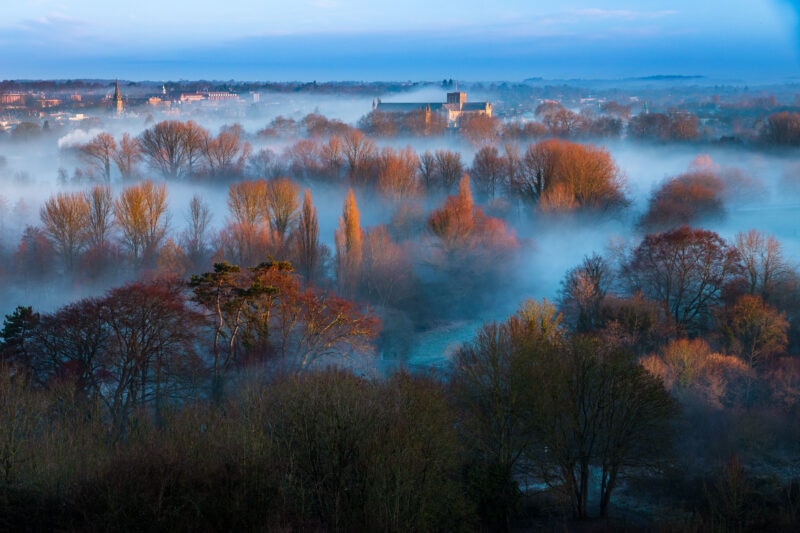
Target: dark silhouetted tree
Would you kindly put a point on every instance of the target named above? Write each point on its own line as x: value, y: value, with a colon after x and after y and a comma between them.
x: 686, y: 270
x: 582, y: 293
x: 308, y: 254
x: 491, y: 383
x: 359, y: 153
x: 100, y: 152
x: 164, y: 148
x: 194, y: 239
x: 782, y: 129
x: 127, y: 156
x: 488, y: 172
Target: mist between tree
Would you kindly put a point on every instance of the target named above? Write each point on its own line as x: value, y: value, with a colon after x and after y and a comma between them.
x: 274, y: 239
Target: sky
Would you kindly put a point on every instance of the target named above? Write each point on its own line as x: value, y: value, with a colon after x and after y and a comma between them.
x: 359, y: 40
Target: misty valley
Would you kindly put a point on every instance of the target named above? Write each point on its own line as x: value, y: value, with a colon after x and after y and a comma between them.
x: 399, y: 306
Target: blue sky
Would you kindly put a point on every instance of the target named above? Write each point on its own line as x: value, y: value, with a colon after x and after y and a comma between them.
x: 407, y: 40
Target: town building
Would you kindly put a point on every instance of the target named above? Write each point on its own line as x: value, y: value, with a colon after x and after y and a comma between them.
x: 12, y: 99
x: 192, y: 97
x: 453, y: 108
x: 222, y: 96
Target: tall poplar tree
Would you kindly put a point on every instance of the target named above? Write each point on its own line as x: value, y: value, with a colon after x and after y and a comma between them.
x: 349, y: 237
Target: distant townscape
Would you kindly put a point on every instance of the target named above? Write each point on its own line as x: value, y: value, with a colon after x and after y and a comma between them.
x: 642, y: 108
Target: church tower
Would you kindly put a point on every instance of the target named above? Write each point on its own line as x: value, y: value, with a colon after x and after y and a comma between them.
x: 118, y: 99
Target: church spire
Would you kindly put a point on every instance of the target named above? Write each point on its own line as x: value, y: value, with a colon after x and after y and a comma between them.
x: 118, y: 99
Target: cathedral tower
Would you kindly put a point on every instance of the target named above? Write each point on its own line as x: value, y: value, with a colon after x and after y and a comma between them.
x: 118, y: 99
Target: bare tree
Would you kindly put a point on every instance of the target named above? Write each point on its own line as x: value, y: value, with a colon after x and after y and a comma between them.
x: 397, y: 173
x: 685, y: 199
x: 782, y: 129
x: 753, y: 329
x: 141, y: 214
x: 195, y: 237
x: 449, y: 168
x: 247, y: 202
x: 99, y: 153
x: 683, y: 126
x: 66, y: 220
x: 311, y: 324
x: 427, y: 169
x: 282, y: 201
x: 127, y: 156
x: 194, y: 138
x: 225, y: 154
x: 149, y: 347
x: 349, y: 239
x: 101, y: 216
x: 308, y: 247
x: 173, y: 148
x: 359, y: 151
x: 163, y: 147
x: 248, y: 238
x: 599, y: 413
x: 765, y: 267
x: 538, y: 169
x: 491, y: 384
x: 304, y: 159
x: 488, y: 171
x: 563, y: 122
x: 264, y: 164
x: 332, y: 157
x: 480, y: 129
x: 685, y: 270
x: 583, y: 291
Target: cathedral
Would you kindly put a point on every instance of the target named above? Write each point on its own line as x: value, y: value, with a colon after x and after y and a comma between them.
x: 455, y: 107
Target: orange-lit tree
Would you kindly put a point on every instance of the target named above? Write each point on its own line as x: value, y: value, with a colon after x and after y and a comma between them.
x: 349, y: 241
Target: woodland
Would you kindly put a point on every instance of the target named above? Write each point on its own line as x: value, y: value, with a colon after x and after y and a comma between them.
x: 217, y: 320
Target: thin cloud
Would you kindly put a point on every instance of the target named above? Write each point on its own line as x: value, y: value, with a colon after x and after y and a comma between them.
x: 48, y: 30
x: 597, y: 22
x: 52, y: 22
x: 324, y: 4
x: 623, y: 14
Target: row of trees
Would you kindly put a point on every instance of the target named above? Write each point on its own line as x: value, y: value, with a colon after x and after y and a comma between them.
x: 701, y: 285
x: 185, y: 150
x: 174, y: 149
x: 149, y: 344
x: 88, y: 231
x: 553, y: 174
x: 81, y: 223
x: 178, y: 150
